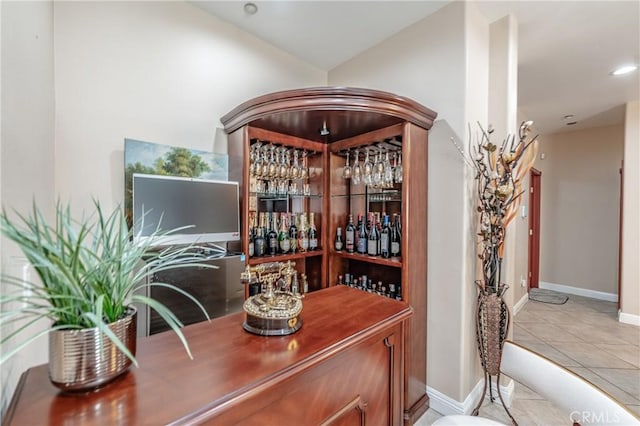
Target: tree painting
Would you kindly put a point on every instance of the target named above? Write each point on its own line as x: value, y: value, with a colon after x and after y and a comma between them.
x: 156, y: 159
x: 181, y: 162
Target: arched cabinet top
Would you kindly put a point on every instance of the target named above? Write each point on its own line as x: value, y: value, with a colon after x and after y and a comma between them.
x: 343, y: 111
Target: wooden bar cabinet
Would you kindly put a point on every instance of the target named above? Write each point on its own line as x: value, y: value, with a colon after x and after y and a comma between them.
x: 314, y: 129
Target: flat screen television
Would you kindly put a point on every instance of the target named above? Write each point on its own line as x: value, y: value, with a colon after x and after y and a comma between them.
x: 209, y: 208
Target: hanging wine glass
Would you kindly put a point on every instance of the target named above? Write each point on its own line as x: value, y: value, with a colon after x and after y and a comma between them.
x: 294, y: 173
x: 388, y: 171
x: 356, y: 174
x: 265, y: 162
x: 346, y: 172
x: 367, y: 170
x: 257, y: 167
x: 398, y: 168
x: 378, y: 170
x: 304, y: 169
x: 273, y: 165
x: 284, y: 170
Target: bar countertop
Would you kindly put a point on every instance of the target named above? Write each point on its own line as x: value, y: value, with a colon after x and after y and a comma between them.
x: 229, y: 365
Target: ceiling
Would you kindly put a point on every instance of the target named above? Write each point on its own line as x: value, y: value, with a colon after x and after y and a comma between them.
x: 566, y: 49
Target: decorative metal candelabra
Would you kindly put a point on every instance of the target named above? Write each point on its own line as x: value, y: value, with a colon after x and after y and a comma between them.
x: 276, y: 310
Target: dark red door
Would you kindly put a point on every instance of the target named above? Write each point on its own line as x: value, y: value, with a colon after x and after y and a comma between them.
x: 535, y: 177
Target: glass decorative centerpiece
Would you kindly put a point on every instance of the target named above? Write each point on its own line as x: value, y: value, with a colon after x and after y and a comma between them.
x: 276, y: 310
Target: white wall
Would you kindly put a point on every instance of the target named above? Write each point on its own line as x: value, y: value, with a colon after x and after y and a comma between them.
x: 162, y: 72
x: 441, y: 62
x: 630, y: 309
x: 27, y: 170
x: 580, y: 208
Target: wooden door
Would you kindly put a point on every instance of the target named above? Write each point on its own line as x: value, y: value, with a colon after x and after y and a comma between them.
x: 534, y: 227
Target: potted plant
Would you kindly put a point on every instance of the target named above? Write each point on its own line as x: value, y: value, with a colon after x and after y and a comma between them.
x: 499, y: 173
x: 91, y: 273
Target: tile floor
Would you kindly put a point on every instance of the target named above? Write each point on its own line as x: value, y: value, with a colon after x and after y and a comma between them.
x: 583, y: 335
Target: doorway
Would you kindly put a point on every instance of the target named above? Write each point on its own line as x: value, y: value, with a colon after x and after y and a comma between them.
x: 535, y: 178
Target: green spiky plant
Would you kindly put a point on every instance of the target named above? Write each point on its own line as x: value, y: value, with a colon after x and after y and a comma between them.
x: 91, y: 270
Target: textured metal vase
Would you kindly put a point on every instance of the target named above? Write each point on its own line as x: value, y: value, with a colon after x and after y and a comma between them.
x: 492, y: 325
x: 81, y: 360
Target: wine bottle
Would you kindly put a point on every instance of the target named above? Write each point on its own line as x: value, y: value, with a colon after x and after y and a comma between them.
x: 283, y: 236
x: 259, y: 242
x: 362, y: 236
x: 313, y: 233
x: 385, y: 240
x: 395, y: 237
x: 303, y: 237
x: 293, y: 233
x: 272, y: 236
x: 350, y: 235
x: 251, y: 236
x: 338, y: 242
x: 392, y: 291
x: 372, y: 240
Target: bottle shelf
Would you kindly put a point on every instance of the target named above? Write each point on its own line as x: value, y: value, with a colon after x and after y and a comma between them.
x: 394, y: 262
x: 284, y: 257
x: 268, y: 196
x: 385, y: 195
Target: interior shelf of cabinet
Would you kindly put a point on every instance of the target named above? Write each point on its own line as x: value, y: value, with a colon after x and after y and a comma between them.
x: 265, y: 195
x: 394, y: 262
x: 385, y: 195
x: 284, y: 257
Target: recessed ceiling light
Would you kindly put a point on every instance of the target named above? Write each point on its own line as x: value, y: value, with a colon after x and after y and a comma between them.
x: 250, y: 8
x: 567, y: 117
x: 626, y: 69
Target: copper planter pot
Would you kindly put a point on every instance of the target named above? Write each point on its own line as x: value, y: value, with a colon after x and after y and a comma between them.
x: 81, y: 360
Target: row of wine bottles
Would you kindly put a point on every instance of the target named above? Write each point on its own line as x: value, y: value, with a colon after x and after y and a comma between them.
x: 298, y: 287
x: 274, y: 233
x: 375, y: 237
x: 363, y: 282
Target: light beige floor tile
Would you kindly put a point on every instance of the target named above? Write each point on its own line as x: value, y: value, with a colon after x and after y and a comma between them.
x: 606, y: 386
x: 628, y: 333
x: 532, y: 316
x: 522, y: 335
x: 628, y: 353
x: 594, y: 333
x: 428, y: 418
x: 520, y: 391
x: 560, y: 317
x: 588, y: 355
x: 532, y: 305
x: 552, y: 353
x: 551, y: 332
x: 626, y: 379
x: 592, y: 318
x: 537, y: 412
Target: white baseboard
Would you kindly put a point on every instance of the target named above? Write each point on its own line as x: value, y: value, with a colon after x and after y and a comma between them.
x: 447, y: 406
x: 520, y: 304
x: 629, y: 318
x: 594, y: 294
